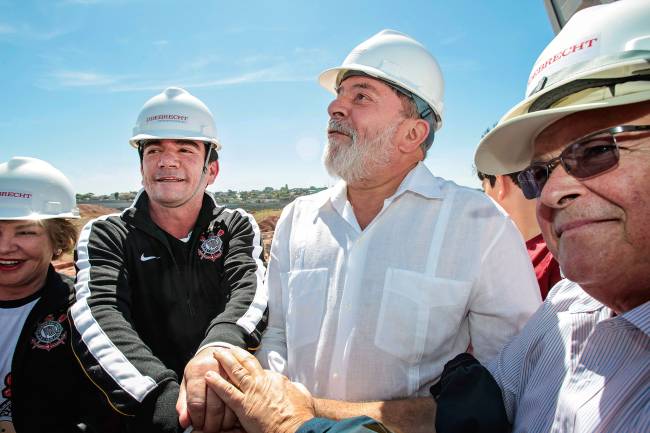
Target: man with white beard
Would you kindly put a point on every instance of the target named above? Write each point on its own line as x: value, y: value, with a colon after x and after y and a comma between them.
x: 377, y: 282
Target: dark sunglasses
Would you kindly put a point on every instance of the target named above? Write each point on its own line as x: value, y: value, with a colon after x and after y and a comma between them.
x: 590, y: 156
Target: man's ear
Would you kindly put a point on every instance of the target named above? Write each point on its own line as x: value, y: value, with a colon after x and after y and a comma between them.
x: 505, y: 186
x: 213, y: 171
x: 412, y: 132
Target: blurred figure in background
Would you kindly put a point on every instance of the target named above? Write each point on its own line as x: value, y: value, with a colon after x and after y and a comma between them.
x: 505, y: 190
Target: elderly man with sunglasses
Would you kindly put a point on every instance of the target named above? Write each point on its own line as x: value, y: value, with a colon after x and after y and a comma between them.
x: 582, y: 141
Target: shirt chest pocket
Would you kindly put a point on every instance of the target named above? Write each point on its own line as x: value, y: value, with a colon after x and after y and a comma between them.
x: 419, y: 312
x: 307, y: 292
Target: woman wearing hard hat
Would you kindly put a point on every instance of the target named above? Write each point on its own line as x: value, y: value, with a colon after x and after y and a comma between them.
x: 43, y: 389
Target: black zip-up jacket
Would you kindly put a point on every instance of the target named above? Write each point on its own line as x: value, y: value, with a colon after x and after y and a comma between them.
x: 146, y: 302
x: 48, y: 390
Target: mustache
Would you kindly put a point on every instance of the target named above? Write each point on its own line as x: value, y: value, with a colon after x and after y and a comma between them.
x: 337, y: 126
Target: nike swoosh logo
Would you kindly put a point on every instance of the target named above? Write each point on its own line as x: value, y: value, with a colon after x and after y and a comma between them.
x: 144, y: 258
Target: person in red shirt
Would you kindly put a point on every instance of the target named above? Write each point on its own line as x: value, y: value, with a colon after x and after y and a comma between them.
x: 505, y: 191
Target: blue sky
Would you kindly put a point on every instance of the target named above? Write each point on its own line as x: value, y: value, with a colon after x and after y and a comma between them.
x: 75, y: 73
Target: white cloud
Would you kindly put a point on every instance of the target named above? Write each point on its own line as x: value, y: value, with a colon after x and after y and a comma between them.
x: 297, y: 70
x: 309, y: 51
x: 82, y: 79
x: 46, y: 36
x: 6, y: 29
x: 82, y: 2
x: 90, y: 3
x: 259, y: 58
x: 256, y: 29
x: 310, y: 57
x: 26, y: 31
x: 300, y: 59
x: 200, y: 62
x: 277, y: 74
x: 451, y: 39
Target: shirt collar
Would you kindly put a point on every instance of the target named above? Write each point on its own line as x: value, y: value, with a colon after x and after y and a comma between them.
x: 339, y: 196
x: 639, y: 317
x: 419, y: 180
x: 585, y: 303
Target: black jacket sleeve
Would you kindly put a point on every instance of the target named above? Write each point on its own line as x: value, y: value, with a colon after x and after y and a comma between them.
x: 469, y: 399
x: 245, y: 316
x: 103, y: 336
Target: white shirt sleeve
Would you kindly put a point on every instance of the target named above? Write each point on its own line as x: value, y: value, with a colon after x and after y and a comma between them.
x: 506, y: 293
x: 272, y: 353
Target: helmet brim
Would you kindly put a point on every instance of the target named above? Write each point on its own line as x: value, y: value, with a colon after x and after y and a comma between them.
x: 20, y: 215
x: 508, y: 148
x: 173, y: 135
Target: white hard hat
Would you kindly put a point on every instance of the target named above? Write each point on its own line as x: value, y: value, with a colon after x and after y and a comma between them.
x: 601, y: 58
x: 32, y: 189
x: 398, y: 59
x: 175, y: 114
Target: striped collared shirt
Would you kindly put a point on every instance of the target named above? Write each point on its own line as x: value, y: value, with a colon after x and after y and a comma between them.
x: 575, y: 368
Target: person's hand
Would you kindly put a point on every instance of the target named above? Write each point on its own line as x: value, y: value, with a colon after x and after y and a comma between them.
x: 197, y: 405
x: 264, y: 401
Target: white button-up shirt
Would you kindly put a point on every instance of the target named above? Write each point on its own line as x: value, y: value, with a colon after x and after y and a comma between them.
x: 575, y: 368
x: 375, y: 313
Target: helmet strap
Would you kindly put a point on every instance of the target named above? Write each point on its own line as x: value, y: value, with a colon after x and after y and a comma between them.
x: 141, y: 151
x: 208, y: 154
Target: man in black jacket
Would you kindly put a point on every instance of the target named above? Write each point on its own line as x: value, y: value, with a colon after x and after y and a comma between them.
x: 163, y: 284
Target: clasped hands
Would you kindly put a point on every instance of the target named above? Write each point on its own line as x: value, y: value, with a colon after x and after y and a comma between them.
x: 227, y: 390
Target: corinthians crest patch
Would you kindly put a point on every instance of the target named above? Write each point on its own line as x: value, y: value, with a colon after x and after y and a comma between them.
x: 49, y: 333
x: 211, y: 247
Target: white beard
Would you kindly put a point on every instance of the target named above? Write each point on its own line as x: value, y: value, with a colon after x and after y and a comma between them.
x: 360, y: 159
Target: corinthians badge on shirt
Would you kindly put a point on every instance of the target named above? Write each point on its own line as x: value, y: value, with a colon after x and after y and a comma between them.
x: 211, y: 247
x: 49, y: 333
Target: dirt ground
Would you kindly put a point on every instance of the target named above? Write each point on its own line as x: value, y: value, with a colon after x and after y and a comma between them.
x: 65, y: 263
